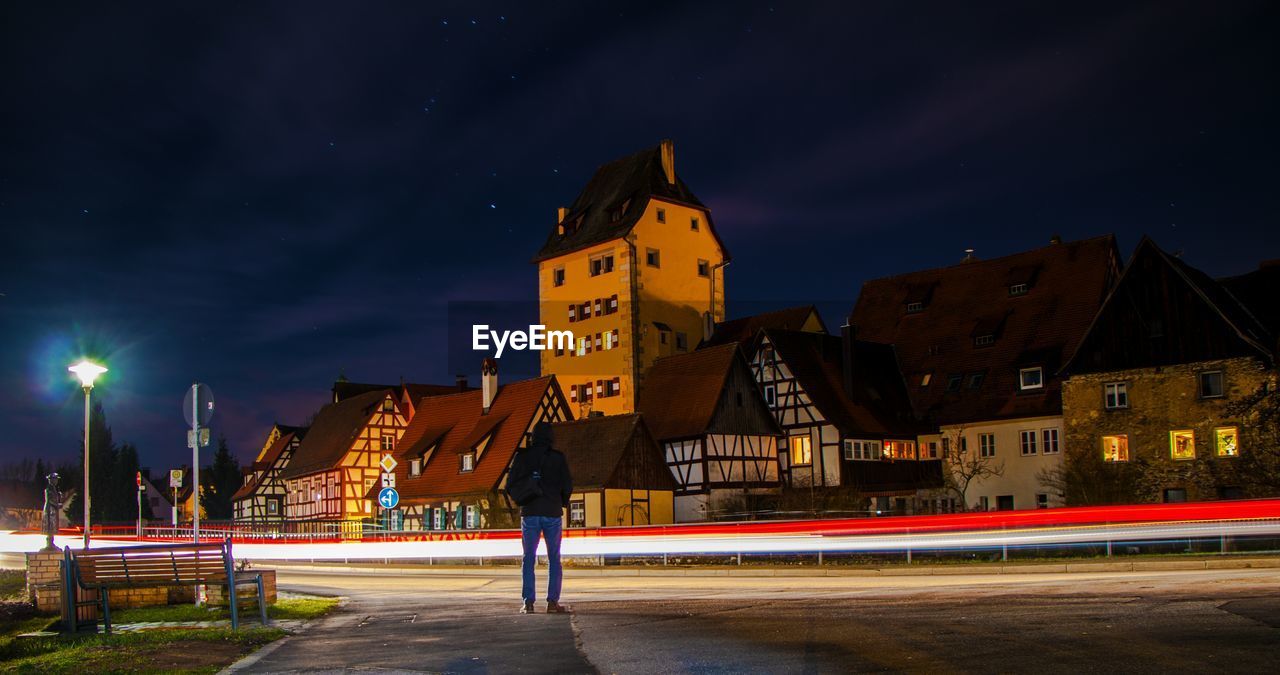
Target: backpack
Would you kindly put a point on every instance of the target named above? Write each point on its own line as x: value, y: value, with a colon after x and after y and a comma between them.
x: 526, y: 488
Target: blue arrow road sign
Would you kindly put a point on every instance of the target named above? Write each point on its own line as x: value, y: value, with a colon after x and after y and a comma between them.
x: 388, y: 498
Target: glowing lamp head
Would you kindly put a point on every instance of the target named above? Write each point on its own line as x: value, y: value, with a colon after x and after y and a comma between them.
x: 87, y: 372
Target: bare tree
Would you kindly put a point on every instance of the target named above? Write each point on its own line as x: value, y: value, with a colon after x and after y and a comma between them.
x: 1259, y: 450
x: 962, y: 466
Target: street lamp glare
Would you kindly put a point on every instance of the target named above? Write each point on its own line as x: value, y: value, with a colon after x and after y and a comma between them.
x: 87, y: 371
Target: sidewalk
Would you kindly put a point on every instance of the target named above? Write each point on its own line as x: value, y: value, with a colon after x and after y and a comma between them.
x: 901, y: 570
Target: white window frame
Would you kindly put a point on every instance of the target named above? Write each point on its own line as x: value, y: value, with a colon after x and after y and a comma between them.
x: 1113, y: 393
x: 807, y: 441
x: 771, y: 395
x: 465, y: 466
x: 986, y: 445
x: 388, y: 442
x: 471, y: 517
x: 1047, y: 434
x: 577, y: 513
x: 415, y: 467
x: 1028, y: 449
x: 1022, y: 381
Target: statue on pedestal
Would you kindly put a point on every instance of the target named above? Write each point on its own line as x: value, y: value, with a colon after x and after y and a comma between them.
x: 52, y: 509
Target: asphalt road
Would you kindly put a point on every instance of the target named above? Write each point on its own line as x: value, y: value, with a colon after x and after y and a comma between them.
x: 1176, y: 621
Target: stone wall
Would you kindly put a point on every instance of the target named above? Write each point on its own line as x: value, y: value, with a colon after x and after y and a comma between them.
x: 1161, y: 400
x: 215, y: 594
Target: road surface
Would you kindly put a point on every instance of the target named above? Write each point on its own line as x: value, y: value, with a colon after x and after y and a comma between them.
x: 1172, y: 621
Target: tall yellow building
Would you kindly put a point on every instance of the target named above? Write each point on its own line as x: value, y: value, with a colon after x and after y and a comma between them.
x: 635, y: 270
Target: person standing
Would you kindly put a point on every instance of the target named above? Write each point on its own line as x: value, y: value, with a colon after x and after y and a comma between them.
x: 540, y: 483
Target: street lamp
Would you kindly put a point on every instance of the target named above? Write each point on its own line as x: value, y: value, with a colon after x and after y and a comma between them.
x: 87, y: 371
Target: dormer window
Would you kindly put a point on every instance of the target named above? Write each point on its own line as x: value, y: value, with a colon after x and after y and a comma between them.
x: 915, y: 307
x: 1018, y: 289
x: 976, y: 379
x: 1031, y: 378
x: 984, y: 340
x: 467, y: 462
x: 415, y: 467
x: 953, y: 383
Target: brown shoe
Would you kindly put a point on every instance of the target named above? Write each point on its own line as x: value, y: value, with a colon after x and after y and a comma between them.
x: 557, y: 608
x: 526, y: 608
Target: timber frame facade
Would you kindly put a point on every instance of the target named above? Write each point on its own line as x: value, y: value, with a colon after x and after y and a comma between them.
x: 262, y: 497
x: 335, y: 466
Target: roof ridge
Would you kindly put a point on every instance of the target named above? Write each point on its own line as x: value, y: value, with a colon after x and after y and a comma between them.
x: 992, y: 261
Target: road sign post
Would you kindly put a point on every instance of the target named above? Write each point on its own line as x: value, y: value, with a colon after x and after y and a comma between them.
x: 198, y: 409
x: 388, y: 497
x: 139, y: 491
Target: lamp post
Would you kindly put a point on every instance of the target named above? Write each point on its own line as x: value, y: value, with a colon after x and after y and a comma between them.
x: 87, y: 371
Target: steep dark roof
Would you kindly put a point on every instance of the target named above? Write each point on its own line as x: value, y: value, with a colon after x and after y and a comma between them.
x: 595, y: 446
x: 1042, y: 327
x: 1163, y: 311
x: 1259, y: 291
x: 332, y: 432
x: 745, y: 329
x: 877, y: 404
x: 682, y: 394
x: 343, y: 390
x: 631, y: 182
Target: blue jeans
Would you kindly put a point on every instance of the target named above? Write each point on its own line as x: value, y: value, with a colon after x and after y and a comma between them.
x: 531, y: 529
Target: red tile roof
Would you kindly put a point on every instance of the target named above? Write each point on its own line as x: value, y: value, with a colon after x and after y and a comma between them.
x: 1068, y: 282
x: 332, y: 432
x: 455, y: 424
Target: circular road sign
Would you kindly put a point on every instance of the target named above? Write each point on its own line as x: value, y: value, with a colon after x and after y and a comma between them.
x: 388, y: 498
x: 204, y: 403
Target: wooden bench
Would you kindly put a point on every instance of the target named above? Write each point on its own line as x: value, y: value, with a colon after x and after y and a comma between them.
x: 105, y: 569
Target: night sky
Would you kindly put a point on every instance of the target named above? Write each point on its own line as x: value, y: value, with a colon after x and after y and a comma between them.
x: 262, y: 196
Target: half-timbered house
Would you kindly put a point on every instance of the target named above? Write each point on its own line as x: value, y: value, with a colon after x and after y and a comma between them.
x: 718, y: 437
x: 336, y: 463
x: 619, y: 475
x: 844, y: 412
x: 261, y: 499
x: 453, y: 459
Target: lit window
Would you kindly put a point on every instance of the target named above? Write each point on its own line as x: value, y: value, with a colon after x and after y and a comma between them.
x: 662, y: 215
x: 987, y: 445
x: 577, y: 514
x: 926, y: 379
x: 693, y: 224
x: 1018, y: 289
x: 1049, y: 441
x: 704, y: 268
x: 770, y: 395
x: 1028, y: 442
x: 801, y: 450
x: 388, y: 405
x: 1116, y: 395
x: 1031, y: 378
x: 1182, y: 444
x: 415, y: 467
x: 468, y: 462
x: 1227, y: 441
x: 388, y: 442
x: 1211, y: 384
x: 915, y: 307
x: 557, y: 276
x: 1115, y: 448
x: 652, y: 257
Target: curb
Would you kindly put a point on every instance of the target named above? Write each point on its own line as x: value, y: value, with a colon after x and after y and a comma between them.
x: 253, y: 658
x: 897, y: 571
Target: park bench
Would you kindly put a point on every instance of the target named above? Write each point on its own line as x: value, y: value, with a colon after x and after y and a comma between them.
x: 107, y: 569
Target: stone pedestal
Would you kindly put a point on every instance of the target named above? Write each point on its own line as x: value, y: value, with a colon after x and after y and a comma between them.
x: 44, y: 582
x: 247, y: 591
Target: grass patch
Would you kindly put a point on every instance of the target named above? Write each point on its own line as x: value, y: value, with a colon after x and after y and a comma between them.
x: 187, y: 650
x: 302, y: 608
x: 298, y: 608
x: 13, y: 584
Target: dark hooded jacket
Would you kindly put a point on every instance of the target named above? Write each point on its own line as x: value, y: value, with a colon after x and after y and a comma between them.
x: 555, y: 480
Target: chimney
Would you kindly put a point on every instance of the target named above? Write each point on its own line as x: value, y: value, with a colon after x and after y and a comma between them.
x: 848, y: 334
x: 488, y: 382
x: 1055, y: 239
x: 968, y: 256
x: 461, y: 381
x: 669, y: 159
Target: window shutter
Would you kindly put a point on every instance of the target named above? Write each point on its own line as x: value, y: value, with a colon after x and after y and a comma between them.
x: 573, y: 313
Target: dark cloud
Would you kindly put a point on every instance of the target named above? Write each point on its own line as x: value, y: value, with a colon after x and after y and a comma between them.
x: 264, y: 195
